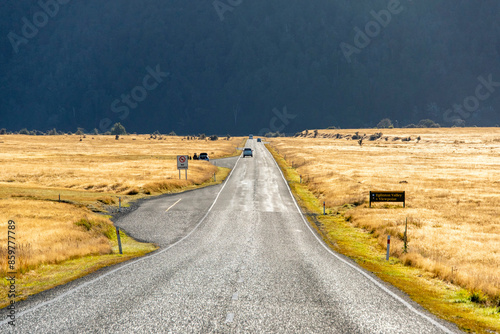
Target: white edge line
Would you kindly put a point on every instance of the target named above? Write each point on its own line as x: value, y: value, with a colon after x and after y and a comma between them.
x: 79, y: 287
x: 173, y: 205
x: 374, y: 281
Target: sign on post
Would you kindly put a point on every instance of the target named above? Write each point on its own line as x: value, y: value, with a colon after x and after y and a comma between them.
x: 182, y: 163
x: 387, y: 196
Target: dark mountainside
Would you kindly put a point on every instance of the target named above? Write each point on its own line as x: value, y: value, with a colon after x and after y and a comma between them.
x: 240, y: 66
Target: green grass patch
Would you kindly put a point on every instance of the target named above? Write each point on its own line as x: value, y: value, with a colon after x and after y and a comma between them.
x: 445, y: 300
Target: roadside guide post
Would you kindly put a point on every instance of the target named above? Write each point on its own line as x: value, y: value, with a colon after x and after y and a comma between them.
x: 324, y: 208
x: 405, y: 249
x: 119, y: 240
x: 388, y: 247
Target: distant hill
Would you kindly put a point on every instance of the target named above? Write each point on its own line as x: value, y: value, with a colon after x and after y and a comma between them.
x: 212, y: 67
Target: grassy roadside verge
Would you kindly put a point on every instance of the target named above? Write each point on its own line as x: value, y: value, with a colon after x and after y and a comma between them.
x: 49, y: 276
x: 447, y: 301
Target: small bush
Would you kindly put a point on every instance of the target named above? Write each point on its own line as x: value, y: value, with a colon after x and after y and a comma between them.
x: 428, y: 123
x: 24, y: 132
x: 84, y: 223
x: 214, y: 137
x: 478, y: 297
x: 458, y: 123
x: 3, y: 131
x: 385, y: 124
x: 410, y: 126
x: 80, y: 131
x: 274, y: 134
x: 118, y: 129
x: 99, y: 226
x: 375, y: 136
x: 356, y: 136
x: 132, y: 191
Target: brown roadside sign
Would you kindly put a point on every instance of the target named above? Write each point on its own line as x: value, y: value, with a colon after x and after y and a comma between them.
x: 387, y: 196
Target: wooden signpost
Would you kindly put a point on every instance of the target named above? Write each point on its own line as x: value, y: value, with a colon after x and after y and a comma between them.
x: 387, y: 196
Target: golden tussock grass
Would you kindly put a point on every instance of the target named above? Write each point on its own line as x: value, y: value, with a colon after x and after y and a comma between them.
x: 452, y: 183
x: 50, y: 232
x: 102, y: 164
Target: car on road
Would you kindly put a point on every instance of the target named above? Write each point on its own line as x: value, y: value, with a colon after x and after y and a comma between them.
x: 259, y: 140
x: 250, y: 137
x: 204, y: 156
x: 247, y: 152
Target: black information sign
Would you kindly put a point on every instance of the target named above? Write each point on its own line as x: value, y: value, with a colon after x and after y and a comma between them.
x: 387, y: 196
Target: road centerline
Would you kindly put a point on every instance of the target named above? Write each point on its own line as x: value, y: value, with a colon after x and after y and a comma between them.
x: 173, y: 205
x: 229, y: 318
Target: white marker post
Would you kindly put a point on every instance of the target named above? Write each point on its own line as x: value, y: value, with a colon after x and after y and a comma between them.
x: 182, y: 163
x: 388, y: 247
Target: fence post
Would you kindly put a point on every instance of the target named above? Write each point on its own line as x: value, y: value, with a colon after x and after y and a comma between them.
x: 324, y: 208
x: 119, y: 204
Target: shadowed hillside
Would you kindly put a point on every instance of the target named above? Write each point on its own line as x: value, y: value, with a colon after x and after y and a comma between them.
x: 207, y: 66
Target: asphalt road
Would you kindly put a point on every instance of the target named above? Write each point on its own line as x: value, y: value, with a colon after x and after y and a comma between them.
x: 234, y: 258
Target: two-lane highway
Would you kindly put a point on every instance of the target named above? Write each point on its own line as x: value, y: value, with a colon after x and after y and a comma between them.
x: 237, y: 257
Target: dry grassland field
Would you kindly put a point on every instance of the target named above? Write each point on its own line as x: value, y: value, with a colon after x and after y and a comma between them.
x: 89, y: 174
x: 452, y: 182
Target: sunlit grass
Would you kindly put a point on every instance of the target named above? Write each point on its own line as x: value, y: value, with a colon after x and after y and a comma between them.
x: 133, y: 164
